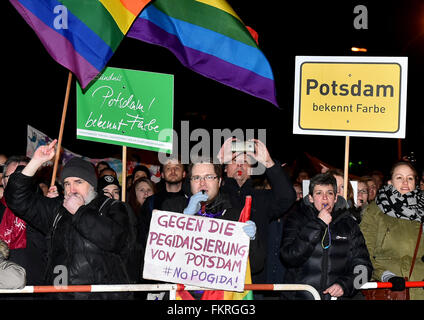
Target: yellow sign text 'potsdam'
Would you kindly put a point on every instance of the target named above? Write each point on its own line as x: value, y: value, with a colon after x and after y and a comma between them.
x: 350, y: 96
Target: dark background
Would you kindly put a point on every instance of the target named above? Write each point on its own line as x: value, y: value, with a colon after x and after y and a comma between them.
x: 34, y: 84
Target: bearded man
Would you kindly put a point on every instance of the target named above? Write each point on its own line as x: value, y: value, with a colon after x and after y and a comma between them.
x: 87, y: 232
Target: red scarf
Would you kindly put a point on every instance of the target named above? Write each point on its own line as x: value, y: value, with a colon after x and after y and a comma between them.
x: 12, y: 229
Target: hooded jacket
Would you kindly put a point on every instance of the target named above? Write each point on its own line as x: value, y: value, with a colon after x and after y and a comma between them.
x: 305, y: 238
x: 84, y: 248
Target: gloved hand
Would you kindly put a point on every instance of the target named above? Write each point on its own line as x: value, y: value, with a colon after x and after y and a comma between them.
x: 398, y: 283
x: 194, y: 204
x: 250, y: 229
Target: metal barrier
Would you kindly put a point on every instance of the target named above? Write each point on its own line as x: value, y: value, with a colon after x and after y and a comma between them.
x: 172, y: 288
x: 388, y: 285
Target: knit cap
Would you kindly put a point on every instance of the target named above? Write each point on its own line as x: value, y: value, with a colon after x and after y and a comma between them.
x: 77, y: 167
x: 105, y: 181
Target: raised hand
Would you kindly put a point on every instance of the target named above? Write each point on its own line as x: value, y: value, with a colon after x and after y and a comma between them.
x: 45, y: 153
x: 41, y: 155
x: 225, y: 154
x: 261, y: 154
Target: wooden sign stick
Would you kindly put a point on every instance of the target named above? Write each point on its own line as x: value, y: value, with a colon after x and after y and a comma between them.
x: 346, y: 167
x: 62, y: 124
x: 124, y: 172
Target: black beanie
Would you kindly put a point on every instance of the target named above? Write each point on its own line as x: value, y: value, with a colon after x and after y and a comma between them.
x: 77, y: 167
x: 105, y: 181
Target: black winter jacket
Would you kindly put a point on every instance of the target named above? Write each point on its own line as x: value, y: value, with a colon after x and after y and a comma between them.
x: 89, y: 243
x: 307, y: 262
x: 267, y: 205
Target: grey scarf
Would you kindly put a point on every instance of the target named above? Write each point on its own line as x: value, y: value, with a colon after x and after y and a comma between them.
x: 409, y: 206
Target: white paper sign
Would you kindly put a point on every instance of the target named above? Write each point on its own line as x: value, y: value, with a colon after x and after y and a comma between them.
x: 193, y: 250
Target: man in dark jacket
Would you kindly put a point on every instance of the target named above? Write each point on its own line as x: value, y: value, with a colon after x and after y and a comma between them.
x: 267, y: 205
x: 323, y: 245
x: 205, y: 189
x: 206, y: 199
x: 86, y: 232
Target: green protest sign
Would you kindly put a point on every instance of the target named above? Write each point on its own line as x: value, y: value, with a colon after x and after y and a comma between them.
x: 128, y: 107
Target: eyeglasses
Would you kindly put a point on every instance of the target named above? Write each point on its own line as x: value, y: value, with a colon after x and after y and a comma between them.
x: 363, y: 191
x: 208, y: 177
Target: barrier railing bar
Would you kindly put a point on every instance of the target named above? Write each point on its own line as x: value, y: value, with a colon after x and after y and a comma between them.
x: 388, y: 285
x: 173, y: 288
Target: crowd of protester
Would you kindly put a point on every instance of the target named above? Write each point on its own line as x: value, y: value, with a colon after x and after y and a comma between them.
x: 312, y: 236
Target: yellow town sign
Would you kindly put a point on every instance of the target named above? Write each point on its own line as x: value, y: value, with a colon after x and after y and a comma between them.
x: 350, y: 96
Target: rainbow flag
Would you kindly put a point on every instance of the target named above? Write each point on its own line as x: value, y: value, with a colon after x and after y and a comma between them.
x: 208, y: 37
x: 81, y: 35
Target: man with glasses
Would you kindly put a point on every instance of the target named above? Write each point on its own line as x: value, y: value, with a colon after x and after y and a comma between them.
x: 361, y: 200
x: 207, y: 199
x: 372, y: 187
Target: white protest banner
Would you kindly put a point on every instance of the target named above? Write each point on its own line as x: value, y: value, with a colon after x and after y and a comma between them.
x: 194, y: 250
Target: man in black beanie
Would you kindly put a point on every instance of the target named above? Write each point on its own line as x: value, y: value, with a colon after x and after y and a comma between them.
x: 80, y: 183
x: 87, y: 232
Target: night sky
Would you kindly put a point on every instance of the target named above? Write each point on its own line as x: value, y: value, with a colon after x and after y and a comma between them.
x: 34, y: 84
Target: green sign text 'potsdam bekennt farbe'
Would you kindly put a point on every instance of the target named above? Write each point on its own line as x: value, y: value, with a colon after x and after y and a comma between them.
x: 128, y: 107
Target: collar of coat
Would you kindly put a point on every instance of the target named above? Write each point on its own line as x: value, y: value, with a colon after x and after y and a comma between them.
x: 232, y: 184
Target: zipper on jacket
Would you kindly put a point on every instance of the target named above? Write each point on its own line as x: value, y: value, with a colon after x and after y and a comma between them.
x: 324, y: 270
